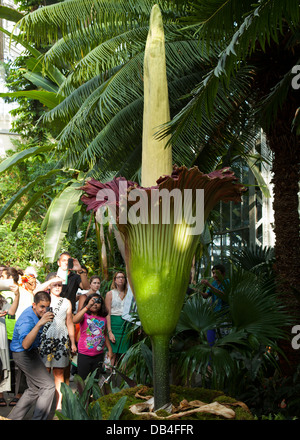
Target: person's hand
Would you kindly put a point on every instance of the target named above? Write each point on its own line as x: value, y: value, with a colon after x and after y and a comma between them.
x: 55, y: 280
x: 204, y: 282
x: 76, y: 264
x: 3, y: 313
x: 46, y: 284
x: 73, y: 348
x: 14, y: 288
x: 47, y: 317
x: 111, y: 337
x: 90, y: 303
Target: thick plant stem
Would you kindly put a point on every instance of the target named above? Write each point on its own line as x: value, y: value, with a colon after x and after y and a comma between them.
x: 161, y: 371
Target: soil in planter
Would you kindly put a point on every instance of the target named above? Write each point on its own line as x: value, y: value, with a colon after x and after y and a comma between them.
x: 178, y: 394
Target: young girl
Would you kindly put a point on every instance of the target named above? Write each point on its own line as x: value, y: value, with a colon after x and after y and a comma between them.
x: 95, y: 283
x: 93, y: 335
x: 57, y: 336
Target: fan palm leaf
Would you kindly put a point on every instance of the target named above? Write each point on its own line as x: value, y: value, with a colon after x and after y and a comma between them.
x: 256, y: 316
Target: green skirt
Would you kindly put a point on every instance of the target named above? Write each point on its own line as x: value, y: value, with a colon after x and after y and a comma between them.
x: 120, y: 328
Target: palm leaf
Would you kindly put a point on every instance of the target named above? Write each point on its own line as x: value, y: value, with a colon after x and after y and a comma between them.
x: 59, y: 219
x: 198, y: 315
x: 13, y: 160
x: 29, y: 205
x: 53, y: 72
x: 261, y: 24
x: 45, y: 24
x: 49, y: 99
x: 39, y: 80
x: 8, y: 206
x: 255, y: 309
x: 10, y: 14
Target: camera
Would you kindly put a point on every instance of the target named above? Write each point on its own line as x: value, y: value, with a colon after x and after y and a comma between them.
x: 97, y: 300
x: 70, y: 263
x: 49, y: 309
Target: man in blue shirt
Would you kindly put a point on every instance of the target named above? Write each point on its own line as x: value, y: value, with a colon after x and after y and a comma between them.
x: 215, y: 290
x: 24, y: 346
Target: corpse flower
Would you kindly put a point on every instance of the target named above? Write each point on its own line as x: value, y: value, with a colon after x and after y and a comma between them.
x: 159, y: 248
x: 160, y: 221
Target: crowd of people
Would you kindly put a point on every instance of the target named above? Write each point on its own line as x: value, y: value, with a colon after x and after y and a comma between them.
x: 43, y: 324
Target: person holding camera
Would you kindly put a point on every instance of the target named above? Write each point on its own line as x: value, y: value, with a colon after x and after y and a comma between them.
x: 58, y: 337
x: 95, y: 283
x: 93, y: 335
x: 24, y: 346
x: 71, y: 281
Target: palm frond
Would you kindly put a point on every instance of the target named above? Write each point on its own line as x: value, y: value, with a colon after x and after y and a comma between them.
x: 263, y: 23
x: 255, y: 307
x: 45, y: 24
x: 198, y: 315
x: 268, y: 107
x: 227, y: 128
x: 220, y: 16
x: 247, y: 22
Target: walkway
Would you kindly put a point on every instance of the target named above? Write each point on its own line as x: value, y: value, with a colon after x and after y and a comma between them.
x: 4, y: 411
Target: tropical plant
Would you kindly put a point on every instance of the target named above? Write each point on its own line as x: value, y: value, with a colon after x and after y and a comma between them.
x: 83, y: 404
x: 242, y: 362
x: 254, y: 315
x: 96, y: 104
x: 159, y: 246
x: 258, y: 45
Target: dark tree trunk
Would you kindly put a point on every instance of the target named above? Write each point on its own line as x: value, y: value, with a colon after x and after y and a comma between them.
x: 286, y: 158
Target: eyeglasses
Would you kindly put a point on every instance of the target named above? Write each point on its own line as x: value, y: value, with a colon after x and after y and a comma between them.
x: 56, y: 285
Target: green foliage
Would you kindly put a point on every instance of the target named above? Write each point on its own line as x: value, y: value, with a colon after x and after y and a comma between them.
x: 243, y: 362
x: 84, y: 404
x: 177, y: 394
x: 100, y: 128
x: 20, y: 247
x: 27, y: 114
x: 273, y: 397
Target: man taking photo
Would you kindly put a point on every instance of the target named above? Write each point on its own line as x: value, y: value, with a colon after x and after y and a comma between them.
x: 24, y: 346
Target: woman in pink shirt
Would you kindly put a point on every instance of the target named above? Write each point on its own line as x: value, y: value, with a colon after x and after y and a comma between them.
x: 93, y: 335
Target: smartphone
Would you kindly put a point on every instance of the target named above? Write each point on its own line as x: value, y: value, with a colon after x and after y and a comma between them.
x: 49, y: 309
x: 70, y: 263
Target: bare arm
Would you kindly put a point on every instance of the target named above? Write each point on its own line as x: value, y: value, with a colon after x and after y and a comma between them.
x: 46, y: 284
x: 211, y: 287
x: 70, y: 327
x: 108, y: 299
x: 84, y: 284
x: 13, y: 308
x: 81, y: 300
x: 107, y: 343
x: 80, y: 314
x: 30, y: 338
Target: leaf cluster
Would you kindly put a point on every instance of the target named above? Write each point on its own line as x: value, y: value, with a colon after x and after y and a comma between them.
x: 84, y: 404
